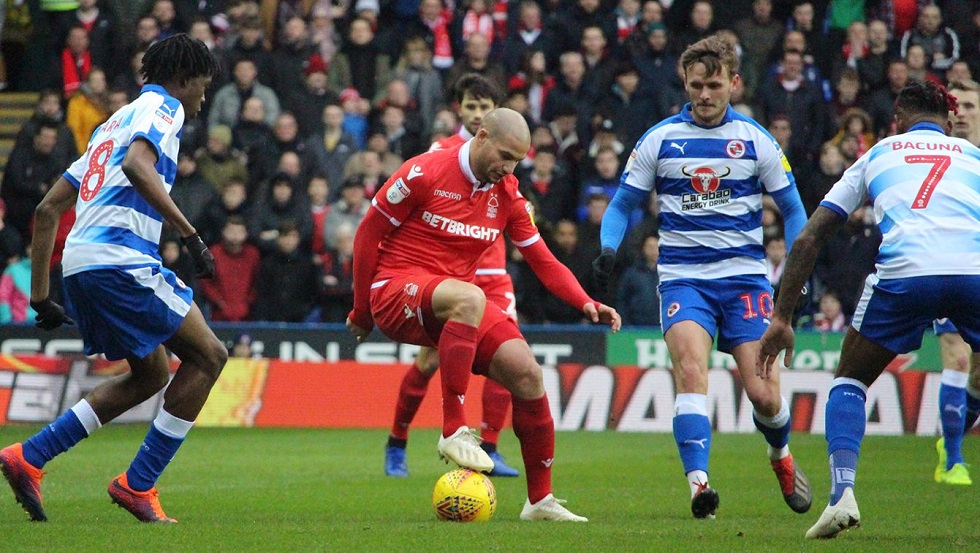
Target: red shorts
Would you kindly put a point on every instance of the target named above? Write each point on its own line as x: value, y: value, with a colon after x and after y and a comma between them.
x: 402, y: 309
x: 500, y: 291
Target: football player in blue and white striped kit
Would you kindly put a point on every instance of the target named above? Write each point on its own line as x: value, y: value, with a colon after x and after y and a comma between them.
x: 709, y: 166
x: 127, y: 305
x: 925, y: 191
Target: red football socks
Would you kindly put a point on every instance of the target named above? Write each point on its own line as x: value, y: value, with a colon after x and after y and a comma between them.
x: 536, y: 431
x: 496, y: 402
x: 410, y: 396
x: 457, y: 349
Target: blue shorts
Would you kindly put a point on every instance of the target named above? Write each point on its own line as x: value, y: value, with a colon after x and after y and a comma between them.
x: 736, y: 308
x: 894, y: 313
x: 943, y: 326
x: 126, y: 313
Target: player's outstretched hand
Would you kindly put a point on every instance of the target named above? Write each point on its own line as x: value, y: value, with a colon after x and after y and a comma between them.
x: 602, y: 267
x: 357, y: 331
x: 778, y: 337
x: 50, y: 315
x: 605, y: 315
x: 203, y: 260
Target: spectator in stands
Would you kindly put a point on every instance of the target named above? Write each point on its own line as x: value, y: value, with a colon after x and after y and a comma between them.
x: 47, y: 110
x: 117, y: 100
x: 242, y: 347
x: 318, y: 196
x: 627, y: 17
x: 88, y: 108
x: 362, y: 59
x: 29, y: 173
x: 11, y: 245
x: 328, y: 152
x: 338, y: 277
x: 476, y: 59
x: 814, y: 185
x: 281, y: 203
x: 367, y: 166
x: 323, y: 32
x: 176, y: 258
x: 402, y: 140
x: 15, y: 290
x: 959, y: 72
x: 102, y: 28
x: 588, y: 238
x: 830, y: 317
x: 604, y: 137
x: 847, y: 89
x: 200, y: 29
x: 791, y: 95
x: 528, y: 35
x: 249, y: 45
x: 654, y: 64
x: 191, y: 191
x: 572, y: 90
x: 881, y: 103
x: 535, y: 82
x: 231, y: 201
x: 292, y: 56
x: 600, y: 66
x: 759, y: 34
x: 350, y: 209
x: 551, y: 186
x: 568, y: 23
x: 701, y: 25
x: 75, y: 61
x: 476, y: 19
x: 630, y: 111
x: 564, y: 132
x: 356, y: 111
x: 289, y: 283
x: 307, y: 101
x: 286, y: 131
x: 856, y: 123
x: 423, y: 82
x: 804, y: 20
x: 227, y: 104
x: 872, y: 67
x: 166, y: 15
x: 915, y: 57
x: 565, y: 245
x: 775, y: 260
x: 129, y: 77
x: 218, y: 162
x: 254, y: 138
x: 637, y: 299
x: 390, y: 162
x: 231, y: 292
x: 940, y: 44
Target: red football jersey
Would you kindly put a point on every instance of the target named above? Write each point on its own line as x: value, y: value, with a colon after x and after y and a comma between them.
x: 446, y: 219
x: 494, y: 259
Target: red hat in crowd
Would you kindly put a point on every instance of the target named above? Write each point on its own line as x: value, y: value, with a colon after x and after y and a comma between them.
x: 315, y: 65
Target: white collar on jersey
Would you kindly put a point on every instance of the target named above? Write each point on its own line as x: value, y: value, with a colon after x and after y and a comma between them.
x: 464, y: 133
x: 464, y: 164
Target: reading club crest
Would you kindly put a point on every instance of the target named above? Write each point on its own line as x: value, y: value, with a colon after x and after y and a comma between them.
x: 735, y: 149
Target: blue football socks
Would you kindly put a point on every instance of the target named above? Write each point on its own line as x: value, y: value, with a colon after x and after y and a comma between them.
x: 692, y: 431
x: 845, y: 423
x: 164, y: 438
x: 776, y: 428
x: 952, y: 413
x: 58, y: 437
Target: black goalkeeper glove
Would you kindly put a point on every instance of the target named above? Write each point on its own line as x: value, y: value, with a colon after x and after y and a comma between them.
x: 50, y: 315
x: 203, y: 259
x: 602, y: 267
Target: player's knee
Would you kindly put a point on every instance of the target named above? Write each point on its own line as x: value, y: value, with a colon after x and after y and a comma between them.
x: 765, y: 399
x: 526, y: 381
x: 469, y: 305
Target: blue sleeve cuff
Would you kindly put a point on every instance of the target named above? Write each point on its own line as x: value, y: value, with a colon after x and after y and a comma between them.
x: 71, y: 179
x: 836, y: 209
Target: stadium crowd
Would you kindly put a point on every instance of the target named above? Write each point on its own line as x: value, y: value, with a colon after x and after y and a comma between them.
x: 320, y: 100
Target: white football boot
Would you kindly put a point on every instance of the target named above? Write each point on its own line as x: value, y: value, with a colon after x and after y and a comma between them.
x: 549, y: 508
x: 463, y: 448
x: 837, y: 518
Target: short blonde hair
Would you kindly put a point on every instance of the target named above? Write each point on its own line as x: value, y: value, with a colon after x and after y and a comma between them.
x: 714, y: 52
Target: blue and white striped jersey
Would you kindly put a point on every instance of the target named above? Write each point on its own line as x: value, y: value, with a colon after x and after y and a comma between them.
x: 924, y: 188
x: 709, y: 184
x: 114, y: 225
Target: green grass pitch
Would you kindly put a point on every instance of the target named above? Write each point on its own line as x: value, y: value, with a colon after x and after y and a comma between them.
x: 324, y: 490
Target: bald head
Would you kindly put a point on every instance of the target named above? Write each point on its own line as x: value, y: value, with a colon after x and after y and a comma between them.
x: 505, y: 122
x: 501, y: 143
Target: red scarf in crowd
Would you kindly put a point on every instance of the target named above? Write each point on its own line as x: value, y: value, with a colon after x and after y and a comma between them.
x: 74, y: 70
x: 442, y: 48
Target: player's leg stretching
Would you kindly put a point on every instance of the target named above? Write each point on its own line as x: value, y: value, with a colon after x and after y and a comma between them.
x: 412, y: 391
x: 956, y: 354
x: 513, y: 365
x: 689, y: 344
x: 770, y: 413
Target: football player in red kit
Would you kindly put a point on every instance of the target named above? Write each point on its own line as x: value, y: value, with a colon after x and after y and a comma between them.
x: 475, y: 96
x: 418, y: 249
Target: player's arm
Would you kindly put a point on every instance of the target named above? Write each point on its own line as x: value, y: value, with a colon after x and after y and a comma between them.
x: 777, y: 177
x: 47, y: 216
x: 139, y: 165
x: 634, y: 185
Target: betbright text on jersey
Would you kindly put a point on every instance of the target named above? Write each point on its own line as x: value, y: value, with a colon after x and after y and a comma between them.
x: 114, y: 225
x: 709, y: 184
x: 446, y: 219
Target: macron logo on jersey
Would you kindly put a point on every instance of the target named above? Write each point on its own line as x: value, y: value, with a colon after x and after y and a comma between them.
x: 460, y: 229
x: 415, y: 171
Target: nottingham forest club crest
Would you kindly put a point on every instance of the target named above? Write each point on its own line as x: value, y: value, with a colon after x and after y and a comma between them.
x: 705, y: 181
